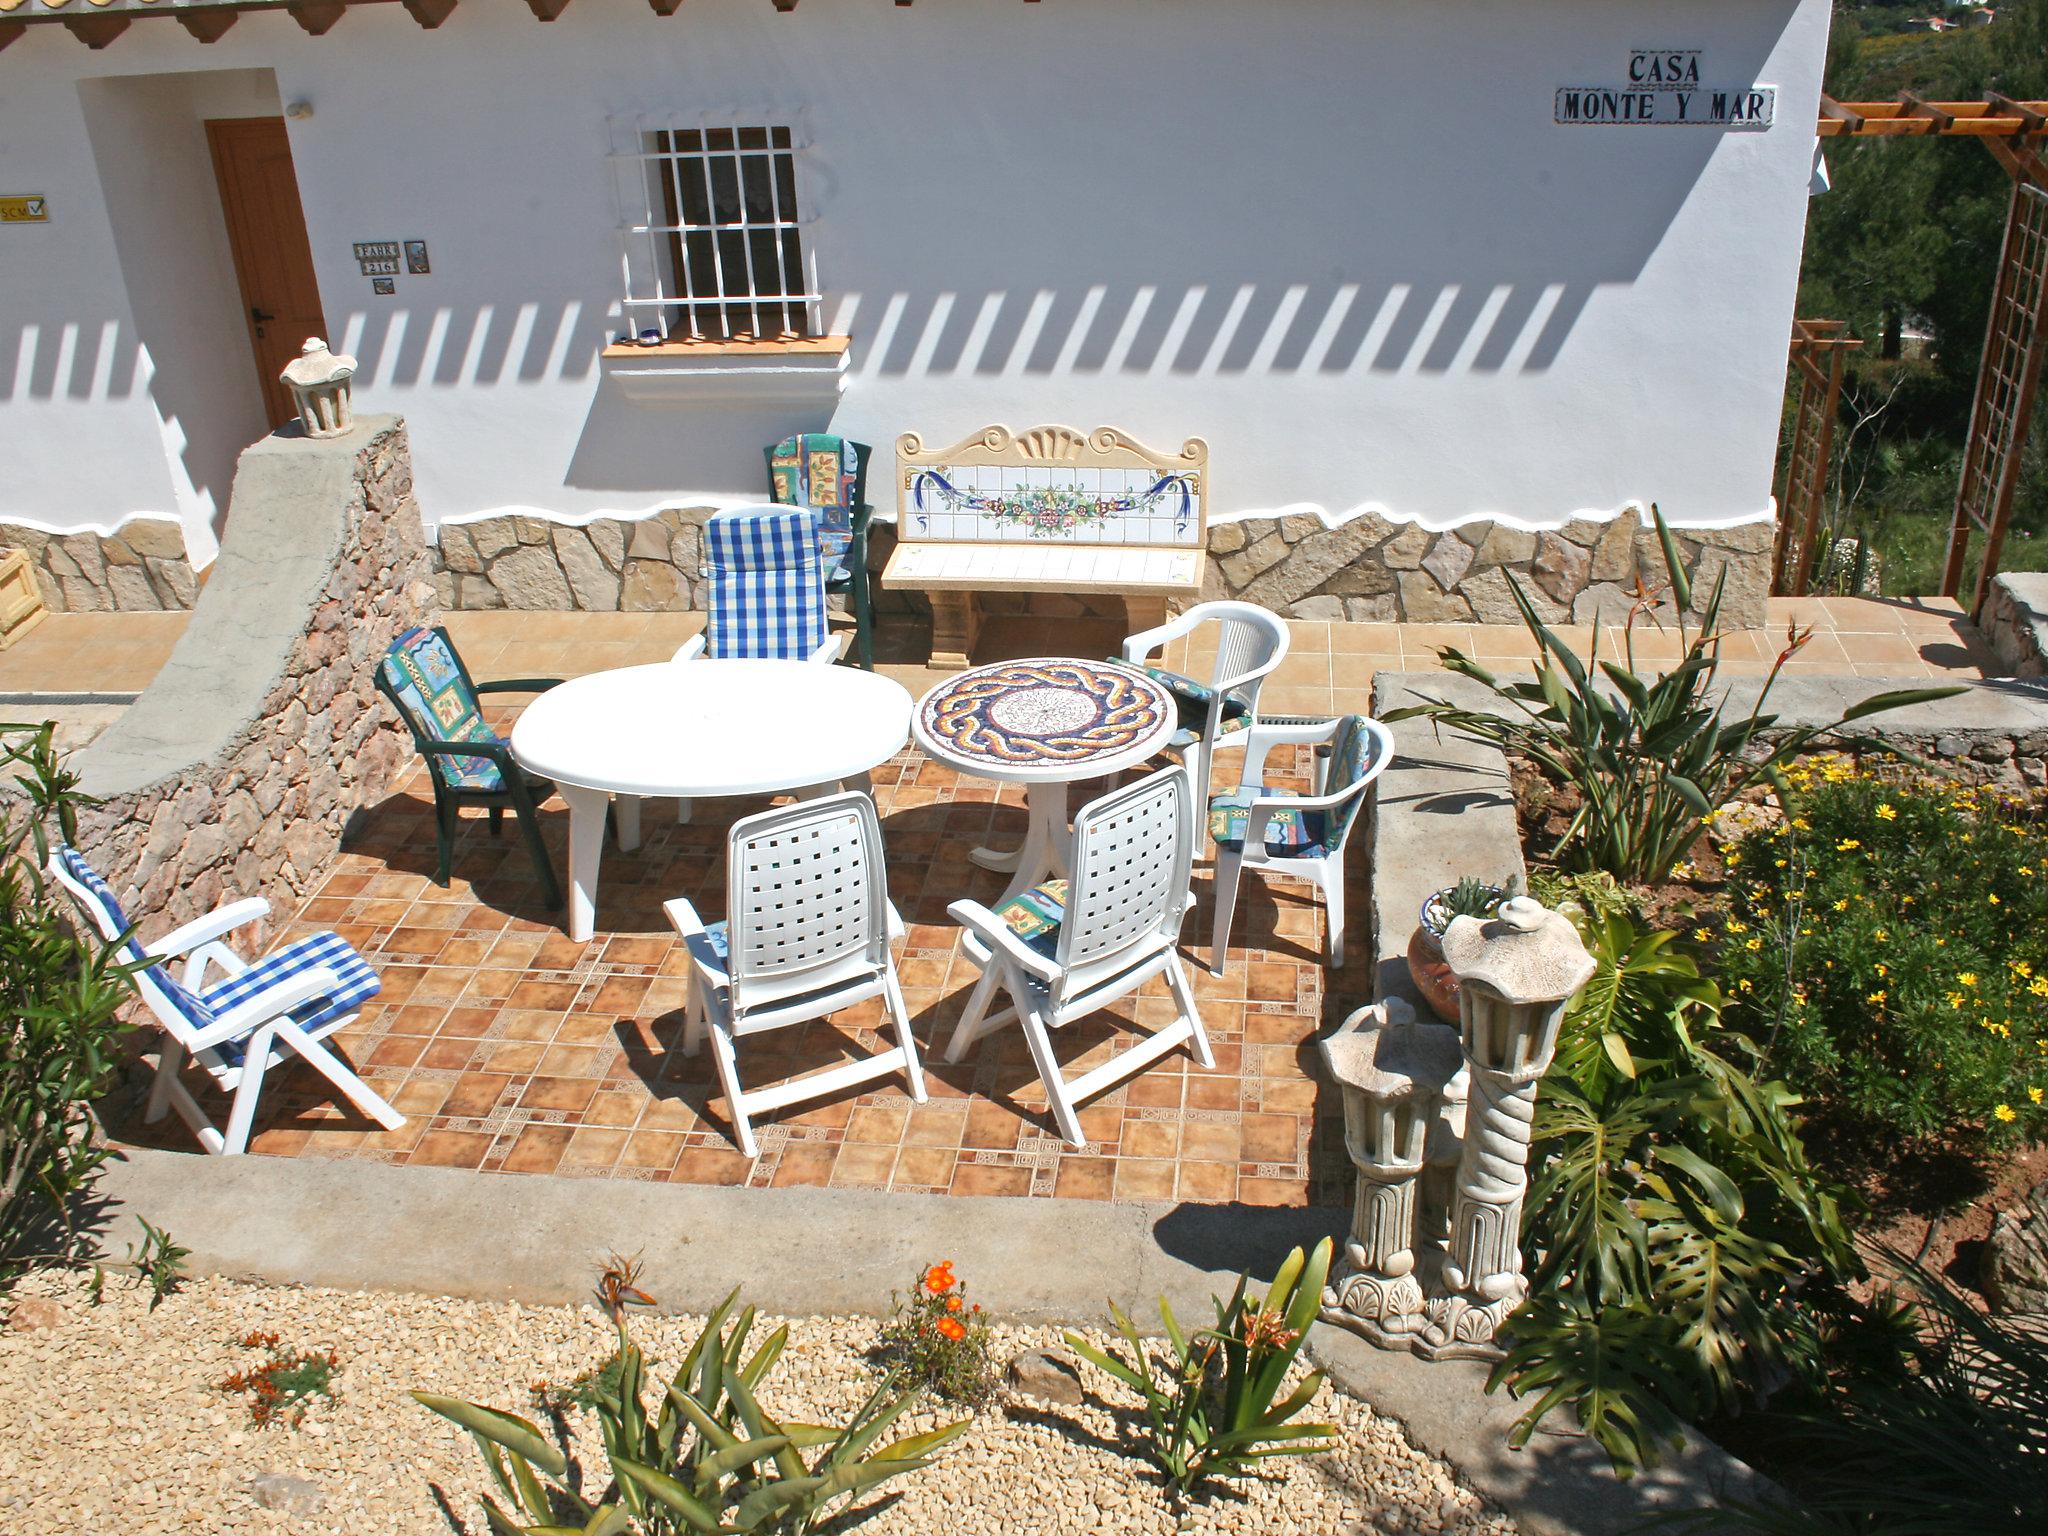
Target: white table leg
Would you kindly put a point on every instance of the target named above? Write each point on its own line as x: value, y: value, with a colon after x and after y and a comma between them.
x: 627, y: 809
x: 1044, y: 853
x: 586, y: 845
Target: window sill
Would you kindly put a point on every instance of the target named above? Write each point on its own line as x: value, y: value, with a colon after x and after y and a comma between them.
x: 808, y: 369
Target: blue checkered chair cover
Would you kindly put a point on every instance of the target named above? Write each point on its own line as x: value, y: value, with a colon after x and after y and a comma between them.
x: 767, y: 586
x: 357, y: 983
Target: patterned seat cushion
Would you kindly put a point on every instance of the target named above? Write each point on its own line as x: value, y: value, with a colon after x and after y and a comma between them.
x: 1192, y: 699
x: 820, y: 472
x: 1035, y: 916
x: 1290, y: 834
x: 436, y: 697
x: 112, y: 920
x: 357, y: 983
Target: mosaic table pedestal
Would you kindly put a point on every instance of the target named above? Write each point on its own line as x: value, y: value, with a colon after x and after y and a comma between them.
x: 1044, y: 723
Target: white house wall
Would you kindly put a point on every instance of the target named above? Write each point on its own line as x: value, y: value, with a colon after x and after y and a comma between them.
x: 1341, y: 239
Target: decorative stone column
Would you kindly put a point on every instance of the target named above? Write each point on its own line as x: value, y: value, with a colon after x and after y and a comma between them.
x: 1393, y: 1070
x: 1516, y: 971
x: 319, y: 384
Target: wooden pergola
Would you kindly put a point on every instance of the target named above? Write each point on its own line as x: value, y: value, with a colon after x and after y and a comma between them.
x: 2015, y: 337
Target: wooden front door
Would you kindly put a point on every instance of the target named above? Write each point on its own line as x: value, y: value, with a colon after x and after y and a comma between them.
x: 252, y: 161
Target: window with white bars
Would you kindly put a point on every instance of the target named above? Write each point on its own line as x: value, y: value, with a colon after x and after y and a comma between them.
x: 714, y: 244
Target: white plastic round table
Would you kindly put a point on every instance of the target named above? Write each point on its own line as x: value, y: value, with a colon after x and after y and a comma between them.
x: 699, y: 728
x: 1044, y: 722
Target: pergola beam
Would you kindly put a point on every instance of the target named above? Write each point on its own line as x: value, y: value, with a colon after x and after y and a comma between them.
x: 10, y: 31
x: 429, y: 13
x: 547, y: 10
x: 1994, y: 117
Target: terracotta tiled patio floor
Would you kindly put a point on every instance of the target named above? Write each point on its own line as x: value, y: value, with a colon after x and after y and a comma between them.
x: 512, y: 1049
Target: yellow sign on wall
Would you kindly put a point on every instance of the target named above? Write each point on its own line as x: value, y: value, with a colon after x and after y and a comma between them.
x: 33, y: 209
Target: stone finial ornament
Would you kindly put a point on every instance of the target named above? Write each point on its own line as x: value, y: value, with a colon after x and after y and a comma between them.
x: 319, y: 382
x: 1440, y: 1278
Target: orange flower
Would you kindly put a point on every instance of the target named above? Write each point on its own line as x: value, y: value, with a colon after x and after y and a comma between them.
x: 953, y: 1303
x: 939, y: 1278
x: 952, y: 1328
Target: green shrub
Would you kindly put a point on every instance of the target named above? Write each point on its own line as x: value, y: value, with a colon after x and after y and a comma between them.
x: 59, y: 989
x: 1582, y: 895
x: 710, y: 1460
x: 1672, y: 1219
x: 1889, y: 946
x: 1949, y: 1435
x: 1650, y: 760
x: 940, y: 1340
x: 1212, y: 1400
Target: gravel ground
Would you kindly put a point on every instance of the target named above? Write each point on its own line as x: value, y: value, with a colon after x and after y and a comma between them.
x: 110, y: 1420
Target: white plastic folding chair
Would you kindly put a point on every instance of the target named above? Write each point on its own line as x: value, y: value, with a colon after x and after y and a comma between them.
x: 1250, y: 643
x: 249, y: 1021
x: 1301, y: 836
x: 1068, y: 948
x: 808, y: 933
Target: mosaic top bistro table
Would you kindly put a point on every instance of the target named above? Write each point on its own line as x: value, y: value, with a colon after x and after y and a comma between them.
x: 1045, y: 723
x: 699, y: 728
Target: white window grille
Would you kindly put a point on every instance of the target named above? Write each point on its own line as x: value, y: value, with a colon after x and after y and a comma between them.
x: 713, y: 235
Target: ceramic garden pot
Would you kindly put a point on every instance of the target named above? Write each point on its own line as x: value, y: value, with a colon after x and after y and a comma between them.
x: 1426, y: 965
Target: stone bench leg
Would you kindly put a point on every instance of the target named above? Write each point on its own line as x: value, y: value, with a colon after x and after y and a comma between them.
x: 956, y: 622
x: 1142, y: 612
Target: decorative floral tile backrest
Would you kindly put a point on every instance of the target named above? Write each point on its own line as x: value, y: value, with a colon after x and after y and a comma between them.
x: 1053, y: 485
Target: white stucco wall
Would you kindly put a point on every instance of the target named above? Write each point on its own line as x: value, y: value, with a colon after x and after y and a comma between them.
x: 1341, y: 239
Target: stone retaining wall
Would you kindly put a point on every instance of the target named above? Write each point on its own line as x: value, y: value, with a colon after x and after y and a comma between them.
x: 1366, y: 569
x: 649, y: 565
x: 140, y: 567
x: 2015, y: 621
x: 237, y: 769
x: 1375, y: 570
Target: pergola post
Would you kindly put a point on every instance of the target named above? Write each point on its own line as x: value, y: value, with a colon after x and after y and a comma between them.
x: 2007, y: 380
x: 1817, y: 356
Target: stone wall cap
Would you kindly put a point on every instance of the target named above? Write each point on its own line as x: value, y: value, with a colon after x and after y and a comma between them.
x: 1525, y: 952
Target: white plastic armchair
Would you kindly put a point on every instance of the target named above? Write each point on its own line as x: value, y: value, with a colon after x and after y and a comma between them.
x: 1067, y: 949
x: 240, y: 1026
x: 1301, y: 836
x: 1251, y: 642
x: 808, y: 932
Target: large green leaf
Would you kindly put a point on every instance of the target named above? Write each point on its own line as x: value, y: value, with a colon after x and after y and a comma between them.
x: 517, y: 1435
x: 1619, y: 1368
x: 1898, y: 698
x: 669, y: 1493
x: 1674, y: 563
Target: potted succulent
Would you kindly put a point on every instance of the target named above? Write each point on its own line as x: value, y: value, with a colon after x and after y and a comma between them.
x: 1433, y: 978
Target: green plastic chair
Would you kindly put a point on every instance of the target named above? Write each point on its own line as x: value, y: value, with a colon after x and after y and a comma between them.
x: 470, y: 763
x: 829, y: 476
